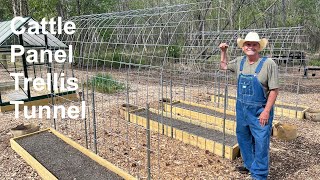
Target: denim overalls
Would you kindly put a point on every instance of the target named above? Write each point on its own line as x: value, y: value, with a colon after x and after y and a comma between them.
x: 253, y: 139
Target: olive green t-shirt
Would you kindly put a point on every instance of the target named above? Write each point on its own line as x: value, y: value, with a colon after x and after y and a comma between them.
x: 268, y: 76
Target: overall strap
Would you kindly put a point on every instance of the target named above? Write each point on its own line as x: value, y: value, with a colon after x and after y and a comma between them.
x: 242, y: 63
x: 259, y: 67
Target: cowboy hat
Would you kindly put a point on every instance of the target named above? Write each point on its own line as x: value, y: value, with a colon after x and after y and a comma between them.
x: 253, y: 37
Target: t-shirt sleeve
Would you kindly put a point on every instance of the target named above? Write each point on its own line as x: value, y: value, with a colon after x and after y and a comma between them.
x: 273, y: 76
x: 232, y: 65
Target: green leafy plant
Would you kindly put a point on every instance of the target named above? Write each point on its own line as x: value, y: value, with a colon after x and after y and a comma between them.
x: 105, y: 83
x: 174, y: 51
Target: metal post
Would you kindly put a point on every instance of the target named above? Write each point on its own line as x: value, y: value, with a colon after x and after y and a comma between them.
x: 162, y: 104
x: 219, y: 85
x: 94, y: 121
x: 297, y: 97
x: 34, y: 70
x: 148, y: 143
x: 127, y: 134
x: 184, y: 87
x: 171, y: 108
x: 85, y: 119
x: 127, y: 88
x: 88, y: 111
x: 51, y: 84
x: 214, y: 87
x: 25, y: 69
x: 15, y: 67
x: 225, y: 115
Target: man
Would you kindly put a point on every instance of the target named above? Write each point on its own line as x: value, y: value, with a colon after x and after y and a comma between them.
x: 256, y: 94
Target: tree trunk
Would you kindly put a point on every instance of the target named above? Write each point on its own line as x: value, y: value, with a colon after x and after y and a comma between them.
x: 15, y: 8
x: 78, y: 7
x: 284, y: 14
x: 61, y: 10
x: 24, y: 10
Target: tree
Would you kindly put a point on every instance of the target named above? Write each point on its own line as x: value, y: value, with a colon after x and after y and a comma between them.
x: 16, y: 8
x: 20, y: 8
x: 6, y: 10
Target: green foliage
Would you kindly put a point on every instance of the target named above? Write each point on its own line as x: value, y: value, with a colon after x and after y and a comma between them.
x: 106, y: 34
x: 105, y: 83
x: 39, y: 9
x: 95, y: 6
x: 6, y: 12
x: 314, y: 62
x: 174, y: 51
x: 136, y: 4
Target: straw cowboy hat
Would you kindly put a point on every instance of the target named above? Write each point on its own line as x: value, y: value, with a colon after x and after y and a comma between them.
x: 253, y: 37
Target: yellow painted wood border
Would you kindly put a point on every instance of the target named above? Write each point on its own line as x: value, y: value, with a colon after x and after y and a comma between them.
x: 43, y: 172
x: 123, y: 109
x: 216, y: 123
x: 204, y: 118
x: 58, y: 100
x: 230, y: 102
x: 280, y: 111
x: 221, y: 110
x: 188, y: 138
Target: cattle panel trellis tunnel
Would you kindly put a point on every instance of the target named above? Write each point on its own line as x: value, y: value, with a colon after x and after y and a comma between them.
x: 149, y: 79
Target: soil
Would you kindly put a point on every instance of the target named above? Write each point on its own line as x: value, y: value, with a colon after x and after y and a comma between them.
x: 204, y: 111
x: 62, y: 160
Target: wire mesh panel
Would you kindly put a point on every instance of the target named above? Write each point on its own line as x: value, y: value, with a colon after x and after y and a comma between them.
x: 137, y: 58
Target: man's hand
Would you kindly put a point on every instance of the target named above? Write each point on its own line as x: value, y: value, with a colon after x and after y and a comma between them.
x: 224, y: 61
x: 223, y: 47
x: 264, y: 117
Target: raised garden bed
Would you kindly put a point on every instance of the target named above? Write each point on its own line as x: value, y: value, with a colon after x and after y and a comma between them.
x: 204, y: 138
x: 55, y: 156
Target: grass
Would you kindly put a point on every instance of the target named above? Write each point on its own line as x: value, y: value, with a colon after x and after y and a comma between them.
x: 104, y: 83
x: 314, y: 62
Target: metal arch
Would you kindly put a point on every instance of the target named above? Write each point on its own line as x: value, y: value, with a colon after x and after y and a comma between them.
x: 91, y: 18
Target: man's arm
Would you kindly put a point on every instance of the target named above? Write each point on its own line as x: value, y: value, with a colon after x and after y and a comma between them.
x: 264, y: 116
x: 271, y: 99
x: 224, y: 59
